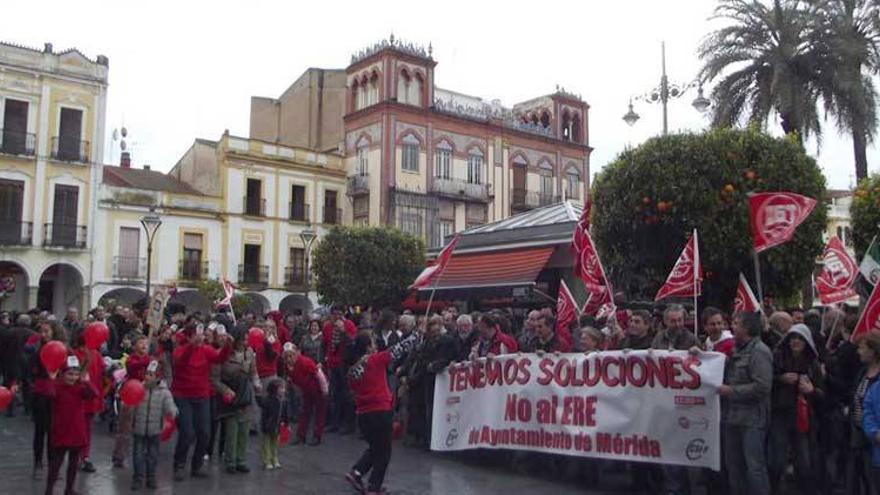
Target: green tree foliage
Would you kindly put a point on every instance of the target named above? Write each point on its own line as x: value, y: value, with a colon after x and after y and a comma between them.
x: 647, y: 202
x: 865, y: 211
x: 366, y: 265
x: 212, y: 289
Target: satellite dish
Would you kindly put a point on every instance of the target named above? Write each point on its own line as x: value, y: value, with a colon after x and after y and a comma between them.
x: 124, y: 132
x: 115, y: 135
x: 122, y: 145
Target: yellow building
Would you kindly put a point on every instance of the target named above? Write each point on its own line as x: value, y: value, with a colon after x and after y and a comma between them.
x: 52, y: 110
x: 269, y: 195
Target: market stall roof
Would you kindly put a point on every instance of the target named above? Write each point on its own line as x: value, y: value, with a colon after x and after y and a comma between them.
x: 545, y: 226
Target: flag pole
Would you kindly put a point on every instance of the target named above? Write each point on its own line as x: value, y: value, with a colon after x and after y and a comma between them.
x: 697, y: 266
x: 758, y: 278
x: 431, y: 299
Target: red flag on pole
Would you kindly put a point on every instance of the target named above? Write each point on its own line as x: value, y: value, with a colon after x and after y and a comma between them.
x: 686, y: 277
x: 839, y: 272
x: 577, y: 238
x: 774, y: 217
x: 745, y: 300
x: 228, y: 291
x: 431, y: 273
x: 566, y: 307
x: 870, y: 319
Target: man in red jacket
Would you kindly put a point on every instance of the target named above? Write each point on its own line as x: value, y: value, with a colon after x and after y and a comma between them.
x: 492, y: 342
x: 304, y: 374
x: 191, y: 388
x: 338, y: 333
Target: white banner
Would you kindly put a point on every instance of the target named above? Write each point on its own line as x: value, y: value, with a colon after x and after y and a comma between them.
x: 646, y: 406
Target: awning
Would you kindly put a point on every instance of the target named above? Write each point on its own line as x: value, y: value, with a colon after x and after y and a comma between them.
x: 493, y: 273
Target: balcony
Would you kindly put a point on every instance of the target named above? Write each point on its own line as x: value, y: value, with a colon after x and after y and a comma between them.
x: 70, y: 149
x: 14, y: 142
x: 192, y: 271
x: 62, y: 235
x: 461, y: 190
x: 253, y: 276
x: 332, y: 216
x: 523, y: 199
x: 129, y: 268
x: 358, y: 185
x: 16, y: 233
x: 254, y: 206
x: 295, y: 279
x: 299, y: 212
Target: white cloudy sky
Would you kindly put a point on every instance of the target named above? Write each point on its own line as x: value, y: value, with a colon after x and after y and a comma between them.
x: 186, y: 69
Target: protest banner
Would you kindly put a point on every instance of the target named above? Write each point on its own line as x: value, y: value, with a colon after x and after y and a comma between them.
x: 156, y: 309
x: 645, y: 406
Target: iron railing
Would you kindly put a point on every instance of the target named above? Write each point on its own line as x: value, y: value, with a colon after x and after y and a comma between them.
x: 254, y: 206
x: 332, y: 216
x: 64, y: 235
x: 129, y: 268
x: 295, y: 279
x: 16, y: 233
x: 70, y: 149
x: 358, y: 184
x: 13, y: 142
x: 299, y: 212
x: 192, y: 270
x: 460, y: 189
x: 253, y: 275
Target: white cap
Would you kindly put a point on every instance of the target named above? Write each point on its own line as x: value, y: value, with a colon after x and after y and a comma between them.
x: 72, y: 362
x: 153, y: 366
x: 288, y: 346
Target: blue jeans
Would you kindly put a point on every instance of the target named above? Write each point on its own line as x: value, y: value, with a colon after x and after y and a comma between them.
x: 745, y: 459
x: 193, y: 426
x: 145, y: 454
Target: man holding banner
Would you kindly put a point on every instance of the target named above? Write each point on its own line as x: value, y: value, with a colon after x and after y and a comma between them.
x: 745, y: 408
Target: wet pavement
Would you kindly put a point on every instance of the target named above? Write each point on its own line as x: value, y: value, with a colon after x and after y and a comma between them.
x: 306, y: 470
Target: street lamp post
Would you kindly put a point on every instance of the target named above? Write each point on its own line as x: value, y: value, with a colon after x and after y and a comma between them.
x: 664, y: 92
x: 308, y: 237
x: 151, y: 224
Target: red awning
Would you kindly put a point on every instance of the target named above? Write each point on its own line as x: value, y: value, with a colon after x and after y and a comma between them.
x: 495, y: 269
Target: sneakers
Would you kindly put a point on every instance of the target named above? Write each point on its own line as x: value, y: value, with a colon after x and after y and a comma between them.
x: 380, y: 491
x: 178, y: 474
x: 354, y: 479
x: 87, y: 466
x: 277, y: 465
x: 198, y: 473
x: 118, y: 463
x: 241, y: 468
x: 269, y: 467
x: 151, y: 483
x: 230, y: 470
x: 135, y: 485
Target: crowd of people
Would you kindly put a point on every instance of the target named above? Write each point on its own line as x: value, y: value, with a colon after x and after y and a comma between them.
x: 800, y: 401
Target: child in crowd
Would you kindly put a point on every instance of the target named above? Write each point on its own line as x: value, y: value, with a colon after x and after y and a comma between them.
x: 272, y: 415
x: 148, y: 421
x: 71, y: 393
x: 92, y: 365
x: 135, y: 367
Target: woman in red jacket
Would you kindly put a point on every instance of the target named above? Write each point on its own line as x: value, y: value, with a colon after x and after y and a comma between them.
x: 92, y: 365
x: 304, y: 374
x: 72, y: 393
x: 191, y: 388
x: 41, y: 402
x: 372, y: 398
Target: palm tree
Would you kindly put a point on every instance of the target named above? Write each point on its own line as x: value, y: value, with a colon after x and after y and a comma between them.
x: 765, y: 62
x: 847, y: 33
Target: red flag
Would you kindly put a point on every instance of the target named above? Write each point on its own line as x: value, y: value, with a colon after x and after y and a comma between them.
x: 686, y: 277
x: 577, y: 238
x: 228, y: 291
x: 595, y: 300
x: 745, y: 300
x: 774, y: 217
x: 870, y: 319
x: 431, y: 273
x: 839, y: 272
x: 566, y: 307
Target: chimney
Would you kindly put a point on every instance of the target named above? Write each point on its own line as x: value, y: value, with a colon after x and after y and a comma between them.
x: 47, y: 47
x: 125, y: 159
x: 146, y: 166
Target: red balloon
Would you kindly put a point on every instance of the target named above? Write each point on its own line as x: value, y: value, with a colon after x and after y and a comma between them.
x: 283, y: 434
x: 95, y: 334
x: 256, y: 337
x: 168, y: 429
x: 53, y: 354
x: 5, y: 398
x: 132, y: 392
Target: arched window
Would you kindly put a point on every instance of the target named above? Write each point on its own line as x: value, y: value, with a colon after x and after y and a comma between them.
x: 572, y: 186
x: 475, y: 166
x: 415, y: 91
x: 576, y: 129
x: 363, y: 160
x: 373, y: 90
x: 546, y: 192
x: 355, y: 96
x: 566, y: 126
x: 443, y: 160
x: 410, y: 154
x: 535, y: 119
x: 403, y: 84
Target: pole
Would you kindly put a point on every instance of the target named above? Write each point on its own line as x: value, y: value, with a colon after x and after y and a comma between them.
x: 697, y: 263
x: 758, y: 278
x: 149, y: 265
x: 664, y: 86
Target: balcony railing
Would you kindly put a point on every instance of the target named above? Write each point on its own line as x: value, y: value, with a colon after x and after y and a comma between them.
x: 460, y: 189
x: 253, y: 275
x: 299, y: 212
x: 295, y: 279
x: 358, y: 184
x: 523, y: 199
x: 13, y: 142
x: 70, y: 149
x: 254, y: 206
x: 64, y: 235
x: 332, y: 216
x: 192, y: 270
x: 129, y: 268
x: 16, y: 233
x: 548, y: 199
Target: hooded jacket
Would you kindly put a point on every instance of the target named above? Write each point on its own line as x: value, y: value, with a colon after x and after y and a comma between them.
x: 148, y: 416
x: 785, y: 395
